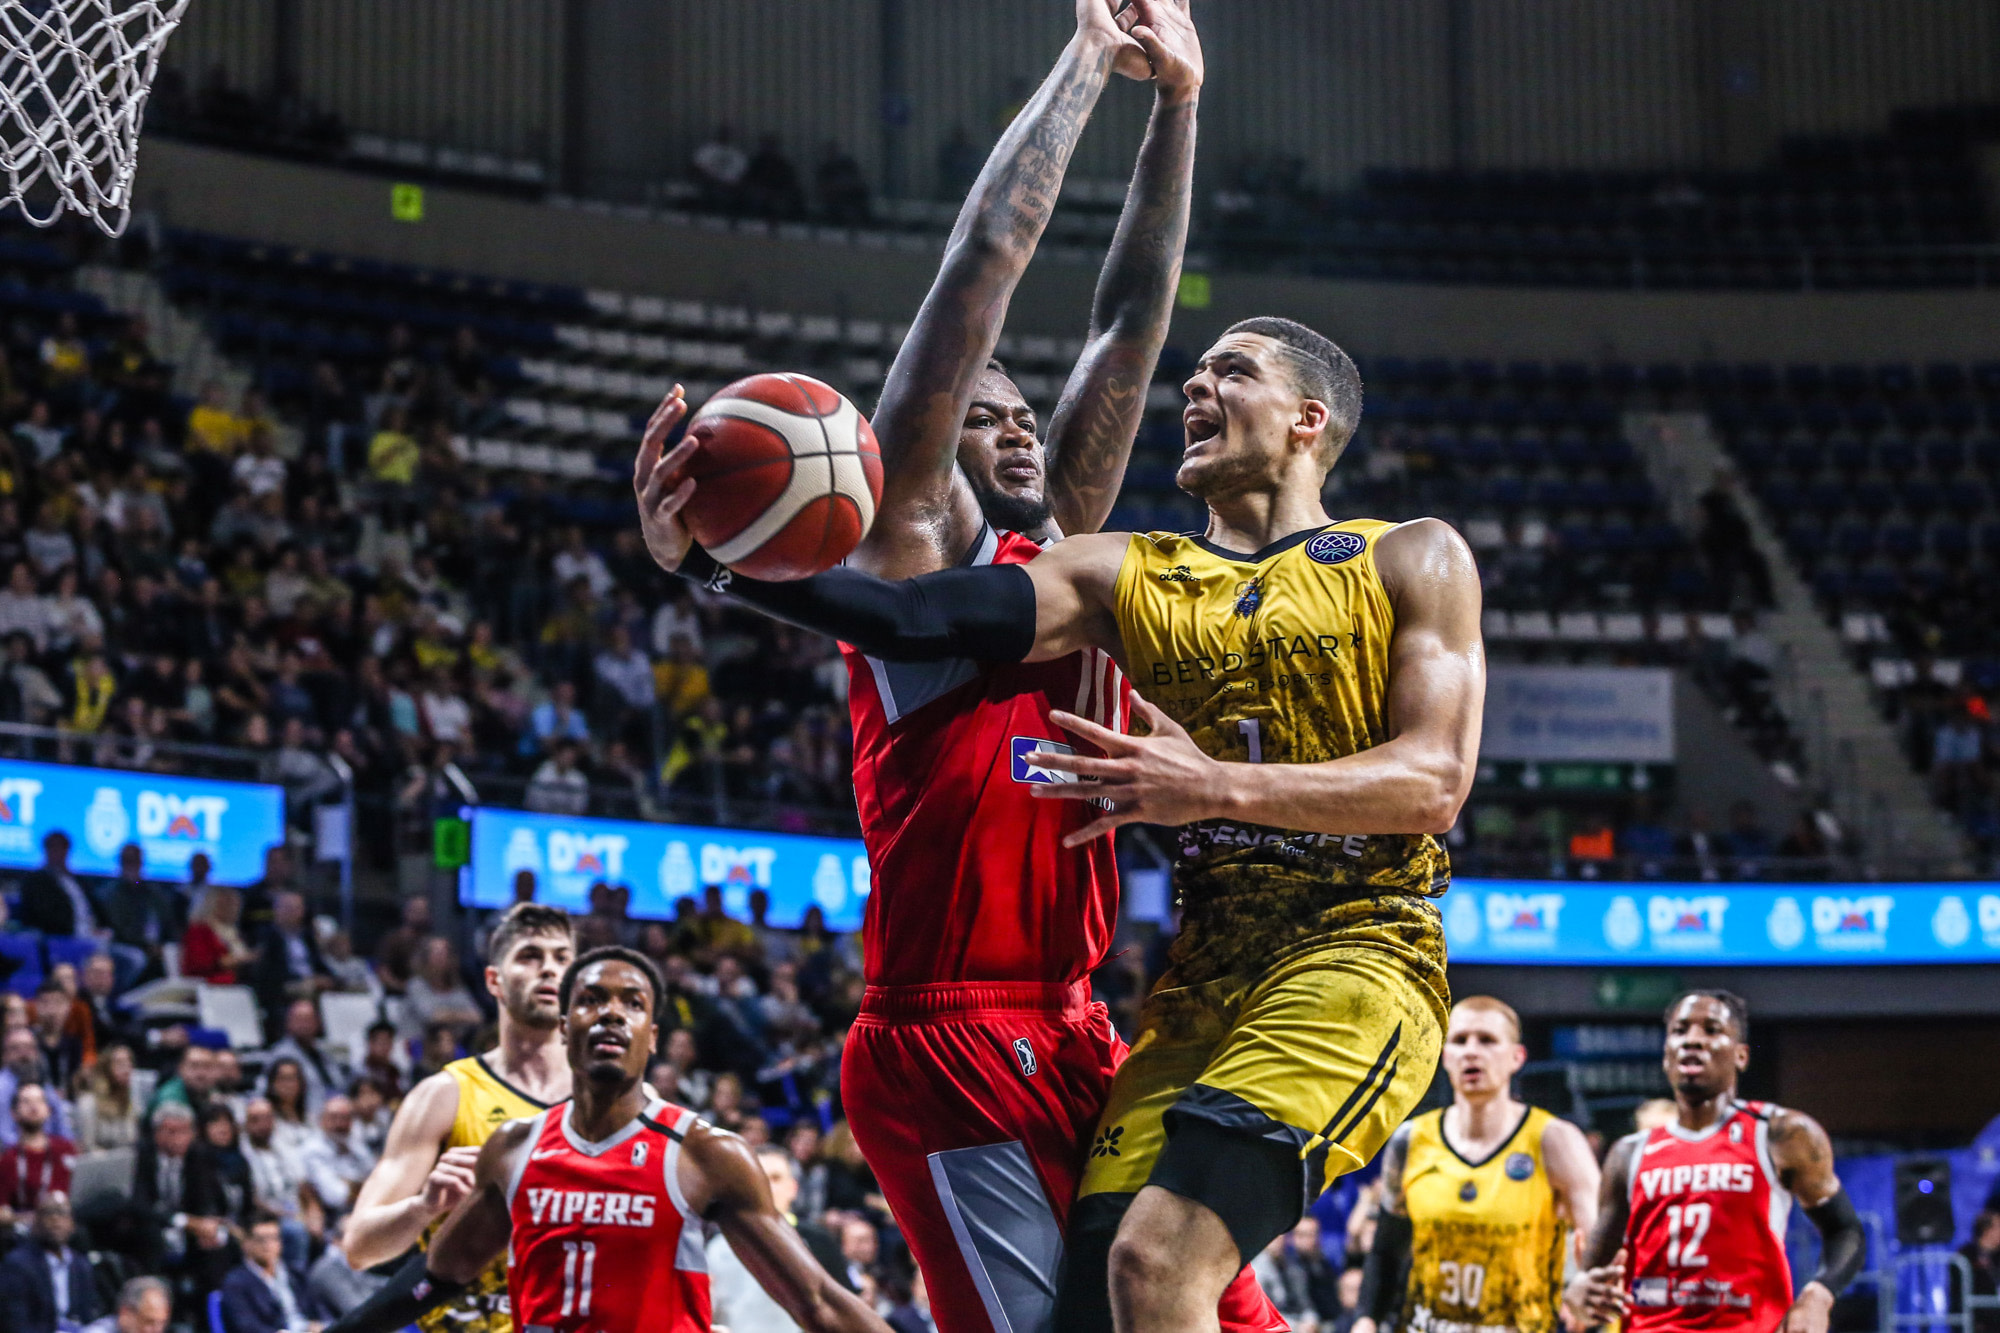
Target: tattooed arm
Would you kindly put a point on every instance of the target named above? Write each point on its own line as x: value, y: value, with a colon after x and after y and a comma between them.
x: 1386, y: 1274
x: 928, y: 514
x: 1600, y: 1294
x: 1804, y: 1158
x: 1090, y: 436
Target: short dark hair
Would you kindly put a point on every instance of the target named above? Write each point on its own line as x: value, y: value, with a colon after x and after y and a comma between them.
x: 993, y: 364
x: 15, y: 1101
x: 613, y: 953
x: 1319, y: 370
x: 381, y: 1025
x: 50, y: 986
x: 1738, y: 1007
x: 524, y: 919
x: 263, y: 1217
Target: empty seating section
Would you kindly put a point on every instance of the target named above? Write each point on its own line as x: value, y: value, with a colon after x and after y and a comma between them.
x: 1895, y: 210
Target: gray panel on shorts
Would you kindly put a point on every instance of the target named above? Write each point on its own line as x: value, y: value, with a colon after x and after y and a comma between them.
x: 1005, y: 1231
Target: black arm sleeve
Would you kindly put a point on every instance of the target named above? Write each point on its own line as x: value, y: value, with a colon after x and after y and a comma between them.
x: 1384, y: 1276
x: 1843, y: 1243
x: 984, y: 614
x: 413, y: 1292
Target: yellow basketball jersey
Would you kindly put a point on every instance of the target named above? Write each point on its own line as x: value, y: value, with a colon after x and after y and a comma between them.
x: 485, y: 1102
x: 1487, y: 1246
x: 1280, y: 657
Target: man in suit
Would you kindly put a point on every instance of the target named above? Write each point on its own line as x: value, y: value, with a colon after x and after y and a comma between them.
x: 172, y: 1222
x: 259, y: 1295
x: 45, y: 1285
x: 289, y: 966
x: 139, y: 914
x: 145, y: 1305
x: 53, y: 900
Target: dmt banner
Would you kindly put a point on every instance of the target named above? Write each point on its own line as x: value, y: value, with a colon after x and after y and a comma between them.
x: 663, y: 862
x: 171, y: 818
x: 1561, y: 922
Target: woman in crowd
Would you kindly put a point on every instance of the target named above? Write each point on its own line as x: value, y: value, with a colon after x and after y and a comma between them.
x: 212, y: 948
x: 437, y: 994
x: 106, y: 1115
x: 725, y: 1103
x: 217, y: 1126
x: 285, y: 1085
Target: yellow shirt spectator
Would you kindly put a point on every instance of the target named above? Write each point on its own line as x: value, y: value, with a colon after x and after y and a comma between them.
x: 212, y: 427
x: 679, y: 686
x: 94, y: 687
x: 392, y: 456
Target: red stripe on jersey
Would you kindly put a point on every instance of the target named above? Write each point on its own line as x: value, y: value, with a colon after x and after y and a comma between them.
x: 1706, y: 1234
x: 603, y: 1238
x: 970, y: 880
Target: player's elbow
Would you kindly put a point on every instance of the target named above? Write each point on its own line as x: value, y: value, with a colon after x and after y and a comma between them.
x: 1448, y: 780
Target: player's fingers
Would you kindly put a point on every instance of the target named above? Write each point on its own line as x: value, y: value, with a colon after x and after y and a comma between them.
x: 1156, y: 51
x: 676, y: 500
x: 1083, y: 791
x: 1105, y: 739
x: 1087, y: 765
x: 661, y: 423
x: 1098, y: 827
x: 665, y: 471
x: 467, y: 1155
x: 1157, y: 722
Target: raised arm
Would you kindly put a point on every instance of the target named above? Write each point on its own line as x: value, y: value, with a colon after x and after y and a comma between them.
x: 1385, y: 1277
x: 414, y: 1184
x: 1412, y: 783
x: 1599, y: 1294
x: 725, y: 1186
x: 1090, y: 436
x: 928, y: 514
x: 473, y: 1236
x: 1803, y: 1155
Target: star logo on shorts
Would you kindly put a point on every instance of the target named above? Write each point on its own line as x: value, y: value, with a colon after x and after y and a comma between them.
x: 1107, y: 1142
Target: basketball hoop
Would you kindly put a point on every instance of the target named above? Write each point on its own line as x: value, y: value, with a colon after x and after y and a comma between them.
x: 73, y: 81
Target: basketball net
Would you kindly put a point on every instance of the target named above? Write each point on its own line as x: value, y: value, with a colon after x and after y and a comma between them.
x: 73, y: 81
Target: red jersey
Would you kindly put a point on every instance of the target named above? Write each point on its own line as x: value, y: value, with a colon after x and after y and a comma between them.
x: 971, y: 880
x: 29, y: 1175
x: 604, y: 1241
x: 1706, y: 1235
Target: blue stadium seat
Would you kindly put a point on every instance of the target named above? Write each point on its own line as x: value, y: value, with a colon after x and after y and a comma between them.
x: 24, y: 948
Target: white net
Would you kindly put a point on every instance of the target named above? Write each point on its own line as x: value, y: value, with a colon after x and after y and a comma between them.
x: 73, y: 81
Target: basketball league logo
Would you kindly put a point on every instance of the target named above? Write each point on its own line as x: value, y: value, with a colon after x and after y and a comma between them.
x: 1519, y: 1166
x: 639, y: 1153
x: 1333, y: 548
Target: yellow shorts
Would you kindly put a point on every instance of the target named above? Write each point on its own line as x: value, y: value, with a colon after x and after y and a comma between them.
x: 1323, y: 1053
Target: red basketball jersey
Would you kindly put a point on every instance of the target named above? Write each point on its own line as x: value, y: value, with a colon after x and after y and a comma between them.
x: 1706, y: 1236
x: 603, y: 1238
x: 971, y: 881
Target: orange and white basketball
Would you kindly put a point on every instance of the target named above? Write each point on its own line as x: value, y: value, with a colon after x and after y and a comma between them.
x: 788, y: 476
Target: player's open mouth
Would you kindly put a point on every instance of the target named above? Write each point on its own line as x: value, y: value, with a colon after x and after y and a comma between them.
x: 1691, y: 1062
x: 1200, y: 425
x: 609, y: 1043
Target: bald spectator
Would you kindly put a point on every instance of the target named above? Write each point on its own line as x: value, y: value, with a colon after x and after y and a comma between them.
x: 324, y: 1072
x: 145, y: 1305
x: 45, y: 1285
x: 277, y: 1166
x: 337, y: 1158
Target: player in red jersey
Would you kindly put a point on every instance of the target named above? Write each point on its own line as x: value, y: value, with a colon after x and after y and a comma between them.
x: 601, y: 1202
x: 976, y: 1071
x: 1690, y: 1230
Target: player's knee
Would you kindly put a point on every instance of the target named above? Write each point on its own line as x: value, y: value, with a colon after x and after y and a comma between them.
x: 1143, y: 1263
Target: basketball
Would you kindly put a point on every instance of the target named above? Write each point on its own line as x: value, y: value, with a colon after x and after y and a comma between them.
x: 788, y: 476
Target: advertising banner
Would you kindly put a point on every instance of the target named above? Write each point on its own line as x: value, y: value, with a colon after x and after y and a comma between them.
x: 1561, y: 922
x: 171, y: 818
x: 1559, y: 713
x: 663, y: 862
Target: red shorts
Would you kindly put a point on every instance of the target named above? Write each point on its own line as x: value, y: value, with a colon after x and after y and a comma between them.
x: 974, y: 1104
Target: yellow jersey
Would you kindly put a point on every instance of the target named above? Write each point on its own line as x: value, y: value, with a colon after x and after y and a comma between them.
x: 485, y: 1102
x: 1276, y: 657
x: 1486, y: 1246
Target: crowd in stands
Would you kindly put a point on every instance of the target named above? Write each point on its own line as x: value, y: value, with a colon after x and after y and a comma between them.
x: 1639, y: 837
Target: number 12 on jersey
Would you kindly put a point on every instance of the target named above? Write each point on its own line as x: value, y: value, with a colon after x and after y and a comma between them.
x: 1687, y: 1225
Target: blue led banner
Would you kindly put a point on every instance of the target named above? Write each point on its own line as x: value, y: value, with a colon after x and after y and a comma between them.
x: 1539, y: 921
x: 171, y: 818
x: 662, y: 862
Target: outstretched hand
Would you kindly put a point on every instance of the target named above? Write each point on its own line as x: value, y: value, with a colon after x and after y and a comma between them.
x: 1159, y: 778
x: 1165, y: 31
x: 661, y: 490
x: 1597, y: 1296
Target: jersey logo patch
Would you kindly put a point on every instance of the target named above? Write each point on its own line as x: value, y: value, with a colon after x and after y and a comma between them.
x: 1024, y: 771
x: 1333, y: 548
x: 639, y: 1154
x: 1024, y: 1051
x: 1178, y: 574
x: 1107, y: 1142
x: 1519, y: 1166
x: 1249, y: 596
x: 1468, y: 1192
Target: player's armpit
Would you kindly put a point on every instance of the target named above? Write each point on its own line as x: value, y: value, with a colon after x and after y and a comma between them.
x: 389, y: 1212
x: 477, y: 1231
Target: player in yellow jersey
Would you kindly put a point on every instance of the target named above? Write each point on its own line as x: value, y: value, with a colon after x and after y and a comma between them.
x: 1312, y: 691
x: 434, y: 1141
x: 1478, y: 1197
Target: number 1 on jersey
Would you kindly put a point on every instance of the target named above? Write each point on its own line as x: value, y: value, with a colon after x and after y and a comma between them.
x: 1253, y: 736
x: 576, y: 1293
